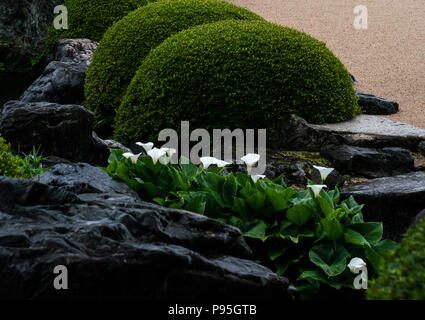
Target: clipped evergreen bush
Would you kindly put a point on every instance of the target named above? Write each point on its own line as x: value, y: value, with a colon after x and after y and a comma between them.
x: 235, y: 74
x: 9, y: 164
x: 404, y: 275
x: 90, y: 18
x: 128, y: 42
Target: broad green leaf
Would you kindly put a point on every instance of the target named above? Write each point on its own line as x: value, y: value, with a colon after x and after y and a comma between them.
x: 196, y: 204
x: 299, y: 214
x: 276, y: 252
x: 377, y: 260
x: 333, y: 228
x: 258, y: 231
x: 330, y: 257
x: 354, y: 237
x: 230, y: 189
x: 278, y: 199
x: 326, y: 203
x: 254, y: 198
x: 319, y: 275
x: 371, y: 231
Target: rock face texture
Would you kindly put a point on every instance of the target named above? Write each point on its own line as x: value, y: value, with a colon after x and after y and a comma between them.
x: 369, y: 131
x: 65, y: 131
x: 61, y: 82
x: 24, y: 24
x: 370, y: 163
x: 116, y: 246
x: 393, y: 200
x: 78, y: 51
x: 372, y: 104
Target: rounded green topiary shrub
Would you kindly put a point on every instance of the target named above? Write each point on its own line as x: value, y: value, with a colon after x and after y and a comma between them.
x: 90, y: 18
x: 9, y: 164
x: 404, y: 276
x: 235, y: 74
x: 128, y: 42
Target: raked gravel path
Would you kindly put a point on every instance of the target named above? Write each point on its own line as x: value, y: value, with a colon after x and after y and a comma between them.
x: 387, y: 59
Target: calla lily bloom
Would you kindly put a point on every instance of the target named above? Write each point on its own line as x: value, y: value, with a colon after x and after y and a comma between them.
x: 250, y: 160
x: 256, y: 177
x: 324, y: 172
x: 156, y: 154
x: 221, y: 163
x: 147, y: 146
x: 169, y: 151
x: 133, y: 157
x: 316, y: 188
x: 207, y: 161
x: 356, y: 264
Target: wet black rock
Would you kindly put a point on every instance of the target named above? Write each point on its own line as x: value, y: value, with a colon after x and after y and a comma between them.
x: 421, y: 148
x: 116, y: 246
x: 61, y: 82
x: 393, y: 200
x: 370, y: 163
x: 374, y: 105
x: 418, y: 218
x: 64, y: 131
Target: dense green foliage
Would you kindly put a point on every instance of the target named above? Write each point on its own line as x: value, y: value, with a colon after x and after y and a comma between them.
x: 403, y: 277
x: 14, y: 166
x: 235, y: 74
x: 9, y: 163
x: 128, y: 42
x: 306, y: 237
x: 90, y: 18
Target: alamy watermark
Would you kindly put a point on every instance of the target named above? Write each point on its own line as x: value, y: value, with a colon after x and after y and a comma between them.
x: 61, y: 20
x: 223, y: 146
x: 361, y: 19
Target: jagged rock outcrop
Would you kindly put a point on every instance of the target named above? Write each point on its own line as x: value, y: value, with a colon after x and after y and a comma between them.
x: 116, y: 246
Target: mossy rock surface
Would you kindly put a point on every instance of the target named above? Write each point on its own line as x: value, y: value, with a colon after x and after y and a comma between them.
x: 91, y: 18
x: 126, y: 44
x: 404, y: 276
x: 235, y: 74
x: 9, y: 164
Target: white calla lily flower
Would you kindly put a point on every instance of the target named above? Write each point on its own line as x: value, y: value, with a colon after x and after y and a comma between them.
x: 324, y: 171
x: 147, y: 146
x: 356, y: 264
x: 169, y: 151
x: 257, y: 177
x: 207, y: 161
x: 316, y: 188
x: 156, y: 154
x: 221, y: 163
x: 132, y: 156
x: 250, y: 160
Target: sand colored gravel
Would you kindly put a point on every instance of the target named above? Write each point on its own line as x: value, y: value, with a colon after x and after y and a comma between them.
x: 387, y: 59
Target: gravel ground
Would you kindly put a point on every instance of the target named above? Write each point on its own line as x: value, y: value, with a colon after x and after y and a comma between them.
x: 387, y: 59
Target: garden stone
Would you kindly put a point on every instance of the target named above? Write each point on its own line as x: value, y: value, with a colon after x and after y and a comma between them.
x: 374, y: 105
x: 64, y: 131
x: 370, y: 163
x: 371, y: 132
x: 393, y: 200
x: 421, y: 148
x: 24, y: 24
x: 79, y: 51
x: 61, y: 82
x: 116, y: 246
x: 419, y: 217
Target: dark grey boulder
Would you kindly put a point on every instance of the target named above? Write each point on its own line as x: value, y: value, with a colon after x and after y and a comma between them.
x: 24, y: 24
x: 117, y: 247
x: 370, y: 163
x: 61, y: 130
x: 60, y: 82
x: 393, y: 200
x: 374, y: 105
x: 362, y: 131
x: 79, y: 51
x: 418, y: 218
x: 421, y: 148
x: 334, y: 179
